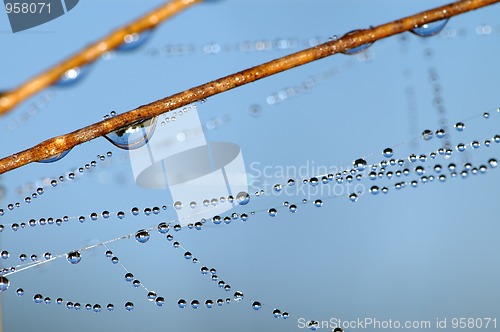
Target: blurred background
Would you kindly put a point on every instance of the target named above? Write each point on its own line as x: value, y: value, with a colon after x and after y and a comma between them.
x: 414, y: 254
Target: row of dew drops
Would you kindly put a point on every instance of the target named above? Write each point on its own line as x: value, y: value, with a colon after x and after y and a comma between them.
x: 359, y: 165
x: 134, y: 42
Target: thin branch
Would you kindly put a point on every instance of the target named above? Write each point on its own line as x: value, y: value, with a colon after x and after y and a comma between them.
x: 10, y: 99
x: 57, y: 145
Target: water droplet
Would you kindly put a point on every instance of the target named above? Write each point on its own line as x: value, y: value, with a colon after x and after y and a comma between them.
x: 313, y: 325
x: 243, y: 198
x: 209, y: 303
x: 160, y: 301
x: 74, y: 257
x: 20, y: 292
x: 256, y: 305
x: 353, y: 197
x: 277, y: 313
x: 163, y: 228
x: 238, y: 296
x: 387, y: 152
x: 178, y: 205
x: 357, y: 49
x: 133, y: 136
x: 318, y: 203
x: 359, y: 164
x: 255, y: 110
x: 272, y: 212
x: 55, y: 158
x: 312, y: 181
x: 142, y: 236
x: 195, y: 304
x: 440, y: 133
x: 133, y: 41
x: 429, y: 29
x: 4, y: 284
x: 374, y: 190
x: 493, y: 162
x: 38, y: 298
x: 459, y: 126
x: 129, y: 277
x: 72, y: 76
x: 129, y: 306
x: 486, y: 115
x: 461, y: 147
x: 427, y: 134
x: 181, y: 303
x: 134, y: 211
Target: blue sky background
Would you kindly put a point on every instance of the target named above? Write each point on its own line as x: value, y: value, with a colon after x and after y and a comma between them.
x: 414, y: 254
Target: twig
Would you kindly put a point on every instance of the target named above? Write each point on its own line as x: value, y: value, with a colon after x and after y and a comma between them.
x: 149, y: 21
x: 56, y: 145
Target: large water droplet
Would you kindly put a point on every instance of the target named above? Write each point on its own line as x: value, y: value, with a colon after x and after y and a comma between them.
x: 256, y: 305
x: 429, y: 29
x: 359, y: 164
x: 133, y: 41
x: 55, y: 158
x: 133, y: 136
x: 4, y: 284
x: 357, y: 49
x: 277, y: 313
x: 129, y: 306
x: 238, y: 296
x: 387, y: 152
x: 74, y: 257
x: 427, y: 134
x: 72, y: 76
x: 459, y: 126
x: 181, y: 303
x: 142, y: 236
x: 38, y: 298
x: 243, y: 198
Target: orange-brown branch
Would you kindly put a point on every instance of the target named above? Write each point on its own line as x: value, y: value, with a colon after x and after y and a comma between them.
x: 62, y: 143
x: 10, y: 99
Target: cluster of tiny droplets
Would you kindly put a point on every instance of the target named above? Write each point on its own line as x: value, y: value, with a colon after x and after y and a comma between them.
x: 32, y: 109
x: 358, y: 166
x: 438, y: 102
x: 52, y: 183
x: 347, y: 176
x: 279, y: 44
